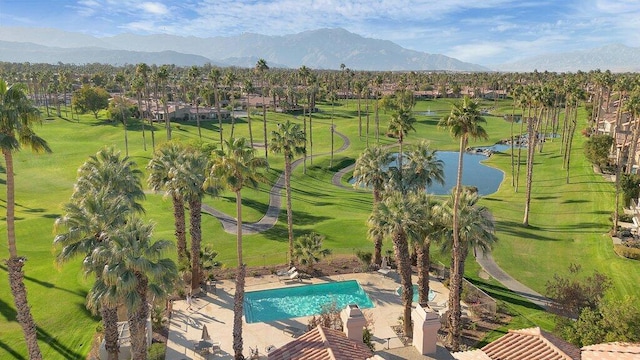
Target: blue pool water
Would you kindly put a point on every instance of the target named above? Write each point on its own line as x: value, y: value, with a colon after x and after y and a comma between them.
x: 432, y: 295
x: 306, y: 300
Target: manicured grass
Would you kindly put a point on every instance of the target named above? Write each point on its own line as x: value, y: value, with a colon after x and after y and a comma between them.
x: 568, y: 221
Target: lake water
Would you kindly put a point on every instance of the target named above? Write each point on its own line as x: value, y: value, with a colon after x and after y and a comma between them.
x: 485, y: 178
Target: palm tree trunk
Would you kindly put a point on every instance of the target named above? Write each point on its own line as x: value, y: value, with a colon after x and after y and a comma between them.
x: 377, y: 240
x: 238, y: 299
x: 249, y: 123
x: 198, y: 121
x: 138, y: 321
x: 14, y: 267
x: 531, y: 150
x: 195, y: 218
x: 401, y: 249
x: 110, y: 322
x: 455, y: 282
x: 422, y: 252
x: 304, y: 131
x: 180, y: 227
x: 287, y: 185
x: 264, y: 123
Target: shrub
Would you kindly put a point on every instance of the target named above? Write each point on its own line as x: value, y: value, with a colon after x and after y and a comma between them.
x: 627, y: 252
x: 571, y: 294
x: 156, y: 351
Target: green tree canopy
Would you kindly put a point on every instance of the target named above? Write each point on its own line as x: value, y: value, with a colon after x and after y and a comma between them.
x: 90, y: 98
x: 596, y: 149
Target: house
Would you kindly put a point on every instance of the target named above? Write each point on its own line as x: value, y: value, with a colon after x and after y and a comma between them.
x: 322, y: 343
x: 534, y: 344
x: 611, y: 351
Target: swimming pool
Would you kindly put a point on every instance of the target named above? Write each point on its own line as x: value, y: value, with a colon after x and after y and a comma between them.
x: 306, y: 300
x: 432, y: 295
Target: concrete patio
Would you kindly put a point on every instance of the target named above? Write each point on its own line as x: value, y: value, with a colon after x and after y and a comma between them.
x: 215, y: 310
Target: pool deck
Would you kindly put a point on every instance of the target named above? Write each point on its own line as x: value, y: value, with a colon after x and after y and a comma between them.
x: 215, y: 310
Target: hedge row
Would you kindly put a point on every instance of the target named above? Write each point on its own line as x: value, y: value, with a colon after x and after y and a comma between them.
x: 628, y: 252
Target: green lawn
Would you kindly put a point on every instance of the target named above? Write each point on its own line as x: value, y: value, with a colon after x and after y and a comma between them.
x: 568, y: 221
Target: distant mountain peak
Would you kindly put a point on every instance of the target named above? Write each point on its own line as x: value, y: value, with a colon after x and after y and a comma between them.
x: 324, y: 48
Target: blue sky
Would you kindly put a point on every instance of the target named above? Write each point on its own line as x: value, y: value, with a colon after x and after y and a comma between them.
x: 484, y: 32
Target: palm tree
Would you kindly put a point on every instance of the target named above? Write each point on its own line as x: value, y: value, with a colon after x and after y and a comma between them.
x: 164, y: 175
x: 289, y: 140
x: 371, y: 172
x: 476, y: 230
x: 163, y: 76
x: 249, y: 89
x: 395, y: 217
x: 138, y: 86
x: 261, y: 68
x: 308, y: 250
x: 190, y: 177
x: 236, y: 168
x: 194, y: 75
x: 359, y: 87
x: 142, y: 71
x: 133, y: 267
x: 422, y: 168
x: 106, y: 191
x: 17, y: 115
x: 215, y: 77
x: 463, y: 122
x: 425, y: 227
x: 399, y: 125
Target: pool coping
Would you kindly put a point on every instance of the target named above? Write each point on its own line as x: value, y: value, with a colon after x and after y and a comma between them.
x: 216, y: 312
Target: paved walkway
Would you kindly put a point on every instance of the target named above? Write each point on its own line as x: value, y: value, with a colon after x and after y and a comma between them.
x: 490, y: 267
x: 229, y: 223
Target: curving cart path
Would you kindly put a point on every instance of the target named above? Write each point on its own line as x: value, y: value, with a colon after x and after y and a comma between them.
x: 230, y: 224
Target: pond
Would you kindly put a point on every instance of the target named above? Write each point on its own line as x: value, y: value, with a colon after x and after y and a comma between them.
x: 475, y: 173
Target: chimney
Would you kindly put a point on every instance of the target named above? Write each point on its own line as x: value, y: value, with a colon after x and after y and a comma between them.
x: 425, y: 330
x: 354, y: 322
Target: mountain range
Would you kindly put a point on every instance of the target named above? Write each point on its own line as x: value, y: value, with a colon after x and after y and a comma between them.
x: 316, y: 49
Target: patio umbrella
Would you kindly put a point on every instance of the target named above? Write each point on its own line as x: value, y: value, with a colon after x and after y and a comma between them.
x: 205, y: 333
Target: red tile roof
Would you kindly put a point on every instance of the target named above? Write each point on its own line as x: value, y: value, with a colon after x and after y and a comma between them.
x: 531, y: 344
x: 322, y: 344
x: 613, y: 351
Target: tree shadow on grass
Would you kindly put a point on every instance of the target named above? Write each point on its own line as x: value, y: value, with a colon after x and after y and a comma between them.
x: 517, y: 229
x: 10, y: 314
x: 575, y: 201
x: 14, y: 354
x: 44, y: 283
x: 305, y: 218
x: 503, y: 294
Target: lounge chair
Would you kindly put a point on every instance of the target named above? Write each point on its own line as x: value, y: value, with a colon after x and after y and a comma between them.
x: 284, y: 272
x: 384, y: 268
x: 295, y: 276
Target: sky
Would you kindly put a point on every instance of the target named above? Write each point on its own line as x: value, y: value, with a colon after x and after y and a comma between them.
x: 485, y: 32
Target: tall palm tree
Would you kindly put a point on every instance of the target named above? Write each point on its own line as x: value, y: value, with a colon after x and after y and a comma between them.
x: 395, y: 217
x: 191, y: 177
x: 237, y: 167
x: 400, y: 124
x: 249, y: 89
x: 476, y: 230
x: 215, y: 77
x: 142, y: 71
x: 371, y: 171
x: 17, y: 116
x: 132, y: 267
x: 107, y: 190
x: 163, y: 77
x: 261, y: 68
x: 463, y: 122
x: 138, y: 86
x: 422, y: 238
x: 194, y: 75
x: 289, y: 140
x: 164, y: 174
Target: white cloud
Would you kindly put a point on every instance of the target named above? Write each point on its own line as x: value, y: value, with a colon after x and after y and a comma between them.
x: 154, y: 8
